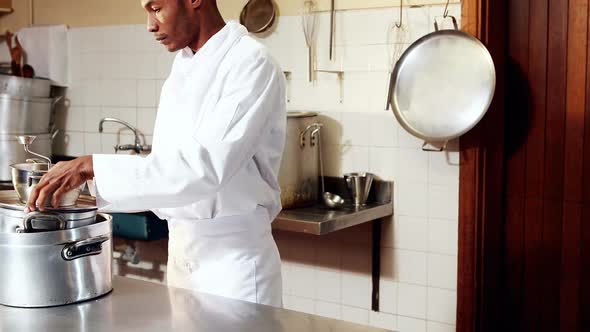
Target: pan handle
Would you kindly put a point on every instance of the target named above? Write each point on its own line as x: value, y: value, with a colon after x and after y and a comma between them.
x: 455, y: 24
x: 88, y: 247
x: 56, y: 100
x: 313, y: 128
x: 432, y: 148
x: 389, y: 91
x: 33, y: 180
x: 43, y: 216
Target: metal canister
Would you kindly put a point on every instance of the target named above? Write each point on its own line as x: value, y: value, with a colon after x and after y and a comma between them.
x: 299, y: 172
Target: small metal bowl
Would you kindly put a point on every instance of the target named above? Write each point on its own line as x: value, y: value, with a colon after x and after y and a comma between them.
x: 25, y: 178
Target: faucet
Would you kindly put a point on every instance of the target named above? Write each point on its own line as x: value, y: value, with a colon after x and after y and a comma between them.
x: 136, y: 146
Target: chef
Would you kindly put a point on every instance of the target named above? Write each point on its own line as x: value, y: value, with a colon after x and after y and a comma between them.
x: 217, y: 147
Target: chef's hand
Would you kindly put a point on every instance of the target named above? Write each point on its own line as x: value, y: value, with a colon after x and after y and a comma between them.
x: 62, y: 177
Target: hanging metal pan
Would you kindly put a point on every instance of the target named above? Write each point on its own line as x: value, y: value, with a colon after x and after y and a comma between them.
x: 258, y: 15
x: 442, y: 86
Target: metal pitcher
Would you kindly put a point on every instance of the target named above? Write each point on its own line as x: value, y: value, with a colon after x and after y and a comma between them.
x: 359, y: 185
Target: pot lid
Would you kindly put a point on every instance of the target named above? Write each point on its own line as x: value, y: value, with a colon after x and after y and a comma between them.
x: 301, y: 114
x: 9, y: 200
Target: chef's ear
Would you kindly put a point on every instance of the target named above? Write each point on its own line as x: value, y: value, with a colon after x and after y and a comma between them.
x: 195, y: 4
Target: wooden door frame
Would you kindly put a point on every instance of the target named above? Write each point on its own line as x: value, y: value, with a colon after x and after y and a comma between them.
x: 479, y: 282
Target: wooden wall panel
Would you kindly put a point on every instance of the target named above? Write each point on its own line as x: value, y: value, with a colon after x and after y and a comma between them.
x: 480, y: 207
x: 545, y: 221
x: 537, y: 77
x: 553, y: 163
x: 517, y: 104
x: 548, y: 168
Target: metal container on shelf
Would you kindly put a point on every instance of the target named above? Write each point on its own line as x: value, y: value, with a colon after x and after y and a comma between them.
x: 299, y: 172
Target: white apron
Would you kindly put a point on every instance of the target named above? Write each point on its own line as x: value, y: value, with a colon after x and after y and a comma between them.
x: 213, y: 171
x: 233, y: 257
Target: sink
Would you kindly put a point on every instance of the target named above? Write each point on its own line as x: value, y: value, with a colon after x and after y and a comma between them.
x: 139, y: 226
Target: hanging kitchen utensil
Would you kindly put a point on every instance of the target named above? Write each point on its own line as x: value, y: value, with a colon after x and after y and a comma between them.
x: 258, y: 15
x: 442, y: 86
x: 332, y: 19
x: 309, y: 21
x: 397, y: 35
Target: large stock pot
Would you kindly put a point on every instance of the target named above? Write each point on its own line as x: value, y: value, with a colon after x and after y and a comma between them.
x: 299, y: 172
x: 54, y: 257
x: 52, y: 268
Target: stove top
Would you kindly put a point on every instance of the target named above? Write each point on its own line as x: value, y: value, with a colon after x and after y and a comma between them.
x: 6, y: 186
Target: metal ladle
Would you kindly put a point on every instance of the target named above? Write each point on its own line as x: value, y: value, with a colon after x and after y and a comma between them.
x: 27, y: 140
x: 331, y: 200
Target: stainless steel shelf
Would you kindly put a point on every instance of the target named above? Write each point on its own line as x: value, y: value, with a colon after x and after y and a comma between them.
x: 320, y: 220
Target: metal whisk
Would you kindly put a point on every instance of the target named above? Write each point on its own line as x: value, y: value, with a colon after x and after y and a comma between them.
x: 309, y: 22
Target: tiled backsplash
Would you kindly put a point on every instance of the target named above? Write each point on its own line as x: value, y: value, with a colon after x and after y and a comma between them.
x: 118, y: 72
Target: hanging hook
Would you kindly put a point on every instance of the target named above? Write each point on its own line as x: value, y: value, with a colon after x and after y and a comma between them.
x: 401, y: 15
x: 446, y: 14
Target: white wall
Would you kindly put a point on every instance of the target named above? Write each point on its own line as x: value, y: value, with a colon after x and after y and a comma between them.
x: 118, y: 71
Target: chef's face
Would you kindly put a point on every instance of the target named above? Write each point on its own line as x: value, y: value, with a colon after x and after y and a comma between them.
x: 174, y: 23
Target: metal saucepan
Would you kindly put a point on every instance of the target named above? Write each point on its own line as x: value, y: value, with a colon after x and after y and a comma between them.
x: 26, y: 176
x: 13, y: 219
x: 12, y: 152
x: 442, y: 86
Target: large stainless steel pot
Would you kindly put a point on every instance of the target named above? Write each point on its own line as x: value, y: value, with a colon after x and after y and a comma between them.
x: 12, y: 152
x: 25, y: 87
x: 55, y: 268
x: 25, y: 115
x: 299, y: 172
x: 13, y: 219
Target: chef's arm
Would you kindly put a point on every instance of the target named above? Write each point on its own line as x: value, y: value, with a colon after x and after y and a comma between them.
x: 224, y: 141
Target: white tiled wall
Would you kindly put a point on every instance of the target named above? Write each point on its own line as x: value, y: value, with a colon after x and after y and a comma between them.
x: 118, y: 71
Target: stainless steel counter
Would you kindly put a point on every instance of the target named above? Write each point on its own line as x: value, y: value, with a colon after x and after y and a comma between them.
x: 320, y: 220
x: 141, y: 306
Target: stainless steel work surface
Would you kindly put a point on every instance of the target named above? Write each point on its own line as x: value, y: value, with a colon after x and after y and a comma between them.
x: 141, y: 306
x: 320, y: 220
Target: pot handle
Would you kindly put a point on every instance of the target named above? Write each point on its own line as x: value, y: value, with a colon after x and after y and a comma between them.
x: 56, y: 100
x: 42, y: 216
x: 54, y: 134
x: 31, y: 178
x: 348, y: 182
x: 84, y: 248
x: 430, y: 147
x: 315, y: 128
x: 455, y: 25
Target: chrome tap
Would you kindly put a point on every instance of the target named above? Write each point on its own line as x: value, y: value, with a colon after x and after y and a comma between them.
x: 137, y: 146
